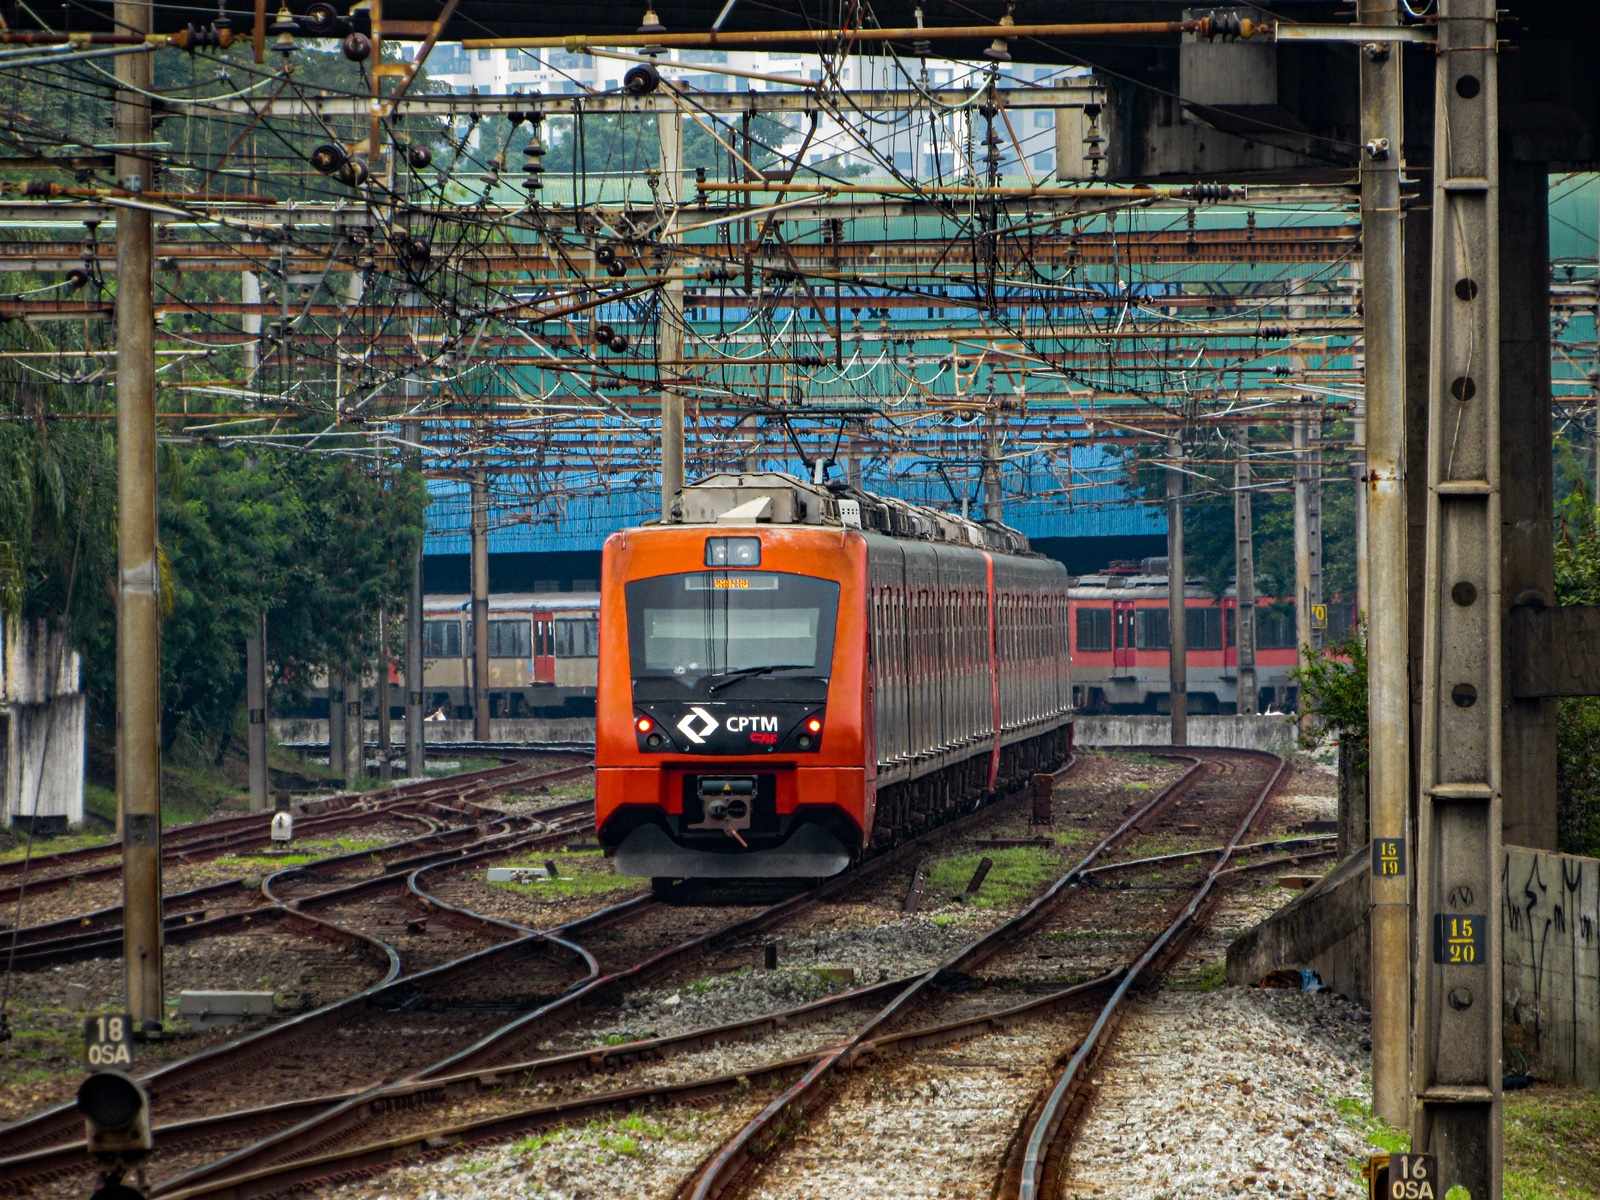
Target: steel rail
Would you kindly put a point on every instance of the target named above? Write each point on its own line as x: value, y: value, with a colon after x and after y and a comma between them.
x: 188, y: 926
x: 61, y: 1121
x: 1043, y: 1136
x: 737, y: 1154
x: 180, y: 835
x: 313, y: 1134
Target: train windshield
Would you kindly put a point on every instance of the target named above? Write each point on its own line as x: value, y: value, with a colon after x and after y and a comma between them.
x: 714, y: 630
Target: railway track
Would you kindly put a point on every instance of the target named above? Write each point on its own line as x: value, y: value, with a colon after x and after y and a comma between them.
x: 210, y: 839
x: 193, y: 913
x: 628, y: 949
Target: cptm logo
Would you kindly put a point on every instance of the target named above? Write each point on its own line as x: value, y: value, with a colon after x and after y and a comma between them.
x: 753, y: 724
x: 697, y: 733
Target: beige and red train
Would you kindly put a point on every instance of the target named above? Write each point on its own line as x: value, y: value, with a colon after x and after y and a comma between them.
x: 793, y: 675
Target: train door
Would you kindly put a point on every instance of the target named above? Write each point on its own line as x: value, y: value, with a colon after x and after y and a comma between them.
x: 544, y: 647
x: 1122, y: 637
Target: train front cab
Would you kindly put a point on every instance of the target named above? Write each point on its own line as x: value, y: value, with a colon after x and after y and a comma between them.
x: 730, y: 740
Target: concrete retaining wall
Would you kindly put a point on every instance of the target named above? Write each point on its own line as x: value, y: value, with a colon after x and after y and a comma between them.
x: 1274, y: 734
x: 42, y: 727
x: 1550, y: 950
x: 527, y: 729
x: 1550, y: 931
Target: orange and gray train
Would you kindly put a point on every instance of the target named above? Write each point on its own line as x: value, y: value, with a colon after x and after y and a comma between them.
x: 793, y: 675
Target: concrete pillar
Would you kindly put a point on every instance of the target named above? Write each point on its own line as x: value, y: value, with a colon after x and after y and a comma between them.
x: 1177, y: 621
x: 414, y: 754
x: 138, y: 575
x: 355, y: 740
x: 669, y: 330
x: 993, y: 500
x: 480, y: 606
x: 1244, y: 574
x: 336, y: 736
x: 255, y: 658
x: 380, y: 689
x: 1528, y: 815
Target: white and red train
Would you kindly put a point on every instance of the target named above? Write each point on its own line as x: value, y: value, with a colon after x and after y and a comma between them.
x: 1120, y: 636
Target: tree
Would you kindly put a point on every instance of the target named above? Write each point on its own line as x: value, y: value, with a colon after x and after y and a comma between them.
x: 1209, y: 550
x: 1577, y: 570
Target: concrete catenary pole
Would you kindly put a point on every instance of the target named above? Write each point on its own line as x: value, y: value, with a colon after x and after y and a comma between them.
x: 138, y: 574
x: 1177, y: 622
x: 1244, y: 574
x: 669, y: 323
x: 1307, y: 540
x: 355, y: 730
x: 414, y: 753
x: 255, y: 666
x: 380, y: 690
x: 337, y: 758
x: 480, y: 606
x: 1383, y: 487
x: 993, y: 497
x: 1458, y: 990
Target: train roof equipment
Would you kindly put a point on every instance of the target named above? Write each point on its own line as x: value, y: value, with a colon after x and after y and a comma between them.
x: 778, y: 498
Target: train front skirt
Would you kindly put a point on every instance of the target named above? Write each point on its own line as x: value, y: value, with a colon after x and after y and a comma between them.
x: 810, y: 852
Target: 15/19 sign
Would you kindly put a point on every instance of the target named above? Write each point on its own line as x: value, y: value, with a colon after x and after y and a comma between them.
x: 1458, y: 939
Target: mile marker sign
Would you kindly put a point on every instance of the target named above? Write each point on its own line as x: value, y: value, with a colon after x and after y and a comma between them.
x: 108, y: 1040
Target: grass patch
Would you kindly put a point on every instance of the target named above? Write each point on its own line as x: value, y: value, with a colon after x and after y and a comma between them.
x: 1383, y: 1137
x: 303, y: 853
x: 1018, y: 873
x: 623, y: 1137
x: 1552, y: 1140
x: 16, y: 844
x: 1209, y: 978
x: 579, y: 873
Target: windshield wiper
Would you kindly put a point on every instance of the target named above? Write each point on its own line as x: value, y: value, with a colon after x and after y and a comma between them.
x: 724, y: 678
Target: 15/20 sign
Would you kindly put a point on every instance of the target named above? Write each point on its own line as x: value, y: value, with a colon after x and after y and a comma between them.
x: 1458, y: 939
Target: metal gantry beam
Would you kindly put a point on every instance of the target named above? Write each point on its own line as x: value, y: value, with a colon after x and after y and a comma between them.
x: 1456, y: 1068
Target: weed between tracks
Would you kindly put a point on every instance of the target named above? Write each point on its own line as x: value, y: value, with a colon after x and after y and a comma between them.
x: 617, y: 1138
x: 579, y: 873
x: 303, y: 853
x: 1016, y: 877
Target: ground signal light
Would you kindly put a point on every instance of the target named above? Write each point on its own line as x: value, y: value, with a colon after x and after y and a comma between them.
x: 116, y: 1113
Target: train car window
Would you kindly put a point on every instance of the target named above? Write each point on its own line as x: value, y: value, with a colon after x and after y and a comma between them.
x: 510, y: 639
x: 441, y: 639
x: 1203, y: 627
x: 1094, y: 629
x: 577, y: 638
x: 1150, y: 629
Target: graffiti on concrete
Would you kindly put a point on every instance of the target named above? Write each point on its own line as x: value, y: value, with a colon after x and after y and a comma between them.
x: 1551, y: 951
